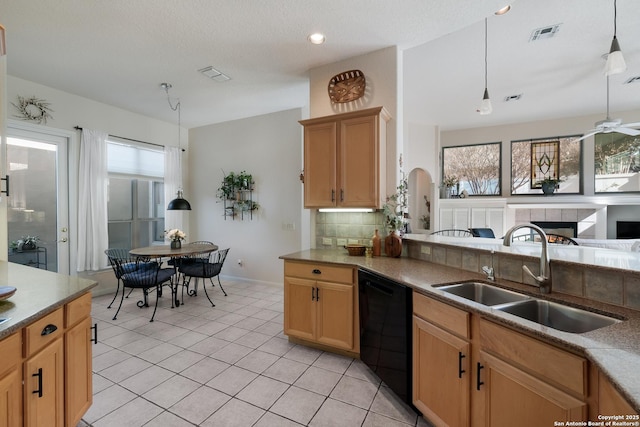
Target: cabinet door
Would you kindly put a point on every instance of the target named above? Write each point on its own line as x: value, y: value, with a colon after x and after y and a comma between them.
x: 320, y: 151
x: 11, y: 399
x: 335, y: 315
x: 513, y: 397
x: 440, y: 374
x: 78, y: 374
x: 299, y: 308
x: 44, y: 387
x: 358, y: 162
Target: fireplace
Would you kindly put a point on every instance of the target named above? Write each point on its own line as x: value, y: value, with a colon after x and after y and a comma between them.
x: 627, y: 229
x: 561, y: 228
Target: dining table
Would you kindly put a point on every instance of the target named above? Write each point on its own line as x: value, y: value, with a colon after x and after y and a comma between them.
x: 166, y: 251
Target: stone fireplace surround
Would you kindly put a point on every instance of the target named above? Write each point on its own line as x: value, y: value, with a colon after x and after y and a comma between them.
x: 585, y: 217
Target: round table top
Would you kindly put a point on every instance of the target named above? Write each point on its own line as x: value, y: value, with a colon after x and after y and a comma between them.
x: 165, y: 250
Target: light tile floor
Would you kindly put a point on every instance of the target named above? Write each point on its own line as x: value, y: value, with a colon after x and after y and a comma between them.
x: 228, y: 365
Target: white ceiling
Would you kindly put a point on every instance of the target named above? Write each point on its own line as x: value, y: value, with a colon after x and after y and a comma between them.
x: 119, y: 51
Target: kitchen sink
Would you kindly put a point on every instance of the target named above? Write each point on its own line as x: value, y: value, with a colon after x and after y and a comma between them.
x: 558, y: 316
x: 483, y: 293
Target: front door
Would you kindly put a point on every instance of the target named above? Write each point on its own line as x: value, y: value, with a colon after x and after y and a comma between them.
x: 37, y: 205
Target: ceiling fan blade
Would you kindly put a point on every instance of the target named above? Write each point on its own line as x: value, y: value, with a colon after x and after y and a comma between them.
x: 587, y: 135
x: 627, y: 131
x: 630, y: 125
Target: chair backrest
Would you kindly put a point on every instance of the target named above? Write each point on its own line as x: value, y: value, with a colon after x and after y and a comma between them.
x: 482, y: 232
x: 452, y: 232
x: 144, y: 275
x: 203, y: 257
x: 560, y: 240
x: 218, y: 257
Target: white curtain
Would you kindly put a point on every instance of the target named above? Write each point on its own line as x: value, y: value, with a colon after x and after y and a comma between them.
x: 172, y: 181
x: 93, y: 236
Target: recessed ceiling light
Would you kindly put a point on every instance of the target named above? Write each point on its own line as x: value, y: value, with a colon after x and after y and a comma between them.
x: 504, y: 10
x: 316, y: 38
x: 512, y: 97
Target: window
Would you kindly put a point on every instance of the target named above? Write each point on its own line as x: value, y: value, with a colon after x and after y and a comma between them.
x: 617, y: 163
x: 136, y: 195
x: 476, y: 168
x: 533, y: 160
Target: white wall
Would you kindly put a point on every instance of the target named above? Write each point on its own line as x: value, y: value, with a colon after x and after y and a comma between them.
x: 268, y: 147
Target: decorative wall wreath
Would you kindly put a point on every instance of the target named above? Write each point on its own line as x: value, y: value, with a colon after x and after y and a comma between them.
x: 33, y: 109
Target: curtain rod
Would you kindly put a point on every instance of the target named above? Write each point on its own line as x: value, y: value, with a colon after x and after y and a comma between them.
x: 129, y: 139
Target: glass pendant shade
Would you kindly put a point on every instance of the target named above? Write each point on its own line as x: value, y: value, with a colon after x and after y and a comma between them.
x: 615, y: 61
x: 179, y: 203
x: 485, y: 106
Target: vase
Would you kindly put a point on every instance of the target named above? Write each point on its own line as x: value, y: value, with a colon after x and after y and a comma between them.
x: 548, y: 188
x: 176, y: 244
x: 393, y: 245
x: 376, y: 244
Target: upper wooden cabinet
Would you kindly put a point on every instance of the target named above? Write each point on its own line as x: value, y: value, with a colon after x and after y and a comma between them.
x: 345, y: 159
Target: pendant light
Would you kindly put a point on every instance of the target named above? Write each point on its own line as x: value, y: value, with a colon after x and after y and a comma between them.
x: 485, y: 105
x: 615, y: 61
x: 179, y: 203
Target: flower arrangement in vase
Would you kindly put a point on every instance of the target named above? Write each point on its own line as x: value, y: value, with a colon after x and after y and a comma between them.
x: 176, y: 236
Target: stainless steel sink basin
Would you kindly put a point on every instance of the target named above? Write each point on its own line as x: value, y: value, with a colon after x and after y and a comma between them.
x: 558, y: 316
x: 483, y: 293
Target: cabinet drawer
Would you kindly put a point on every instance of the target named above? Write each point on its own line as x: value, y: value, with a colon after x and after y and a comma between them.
x: 324, y: 272
x: 10, y: 348
x: 553, y: 364
x: 442, y: 314
x: 42, y: 332
x: 77, y: 309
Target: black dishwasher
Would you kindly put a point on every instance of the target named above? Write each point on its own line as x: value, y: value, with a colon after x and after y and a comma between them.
x: 385, y: 330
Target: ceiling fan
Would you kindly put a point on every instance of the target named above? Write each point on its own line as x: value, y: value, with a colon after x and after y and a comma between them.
x: 609, y: 125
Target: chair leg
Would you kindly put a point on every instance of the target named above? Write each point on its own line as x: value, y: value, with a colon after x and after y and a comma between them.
x: 220, y: 284
x: 130, y: 292
x: 116, y: 295
x: 206, y: 293
x: 158, y: 287
x: 120, y: 306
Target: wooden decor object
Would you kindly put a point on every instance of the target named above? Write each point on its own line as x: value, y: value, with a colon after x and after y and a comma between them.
x: 347, y: 86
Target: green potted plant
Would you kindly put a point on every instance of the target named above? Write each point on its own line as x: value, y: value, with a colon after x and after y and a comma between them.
x: 28, y: 243
x: 549, y: 185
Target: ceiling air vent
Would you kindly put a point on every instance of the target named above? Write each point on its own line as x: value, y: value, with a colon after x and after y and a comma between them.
x: 544, y: 32
x: 635, y: 79
x: 214, y: 74
x: 512, y: 97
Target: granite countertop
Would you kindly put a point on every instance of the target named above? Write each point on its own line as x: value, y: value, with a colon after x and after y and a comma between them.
x: 614, y: 349
x: 38, y: 293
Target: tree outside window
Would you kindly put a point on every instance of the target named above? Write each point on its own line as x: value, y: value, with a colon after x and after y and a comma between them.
x: 477, y: 168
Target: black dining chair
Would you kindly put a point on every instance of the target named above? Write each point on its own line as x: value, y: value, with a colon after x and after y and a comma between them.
x: 452, y: 232
x: 483, y: 232
x: 204, y: 270
x: 142, y: 274
x: 127, y: 263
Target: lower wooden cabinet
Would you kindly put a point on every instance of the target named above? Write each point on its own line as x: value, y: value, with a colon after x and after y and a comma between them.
x: 11, y: 381
x: 470, y: 371
x: 46, y: 371
x: 320, y: 305
x: 44, y: 387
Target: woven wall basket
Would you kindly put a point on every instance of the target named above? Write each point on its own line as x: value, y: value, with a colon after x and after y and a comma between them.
x: 347, y: 86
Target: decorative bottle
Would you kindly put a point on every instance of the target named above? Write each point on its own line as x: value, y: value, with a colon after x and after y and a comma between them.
x: 376, y: 243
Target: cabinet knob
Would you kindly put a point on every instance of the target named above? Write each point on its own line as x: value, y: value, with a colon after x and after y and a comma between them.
x: 316, y: 271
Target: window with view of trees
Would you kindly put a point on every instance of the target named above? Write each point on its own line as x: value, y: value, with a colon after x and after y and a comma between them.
x: 476, y: 167
x: 535, y: 159
x: 617, y: 163
x: 136, y: 196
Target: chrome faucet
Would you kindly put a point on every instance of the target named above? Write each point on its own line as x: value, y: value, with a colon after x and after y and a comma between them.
x: 544, y: 279
x: 489, y: 271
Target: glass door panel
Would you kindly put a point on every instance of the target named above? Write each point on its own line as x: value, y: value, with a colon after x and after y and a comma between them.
x: 34, y: 209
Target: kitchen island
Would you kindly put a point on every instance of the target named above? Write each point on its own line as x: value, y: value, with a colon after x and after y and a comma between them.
x: 45, y: 342
x: 612, y: 351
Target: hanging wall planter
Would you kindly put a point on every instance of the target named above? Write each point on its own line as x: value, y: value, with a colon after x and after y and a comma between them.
x: 236, y: 193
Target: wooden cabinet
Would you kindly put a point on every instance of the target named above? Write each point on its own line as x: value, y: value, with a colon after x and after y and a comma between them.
x: 470, y: 371
x: 11, y: 381
x: 46, y: 375
x: 611, y: 402
x: 345, y: 160
x: 77, y: 360
x: 320, y: 305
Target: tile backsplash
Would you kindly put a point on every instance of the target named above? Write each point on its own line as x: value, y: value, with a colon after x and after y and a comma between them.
x: 347, y: 227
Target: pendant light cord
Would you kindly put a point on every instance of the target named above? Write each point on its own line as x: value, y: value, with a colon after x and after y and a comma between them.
x: 615, y: 18
x: 485, y: 53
